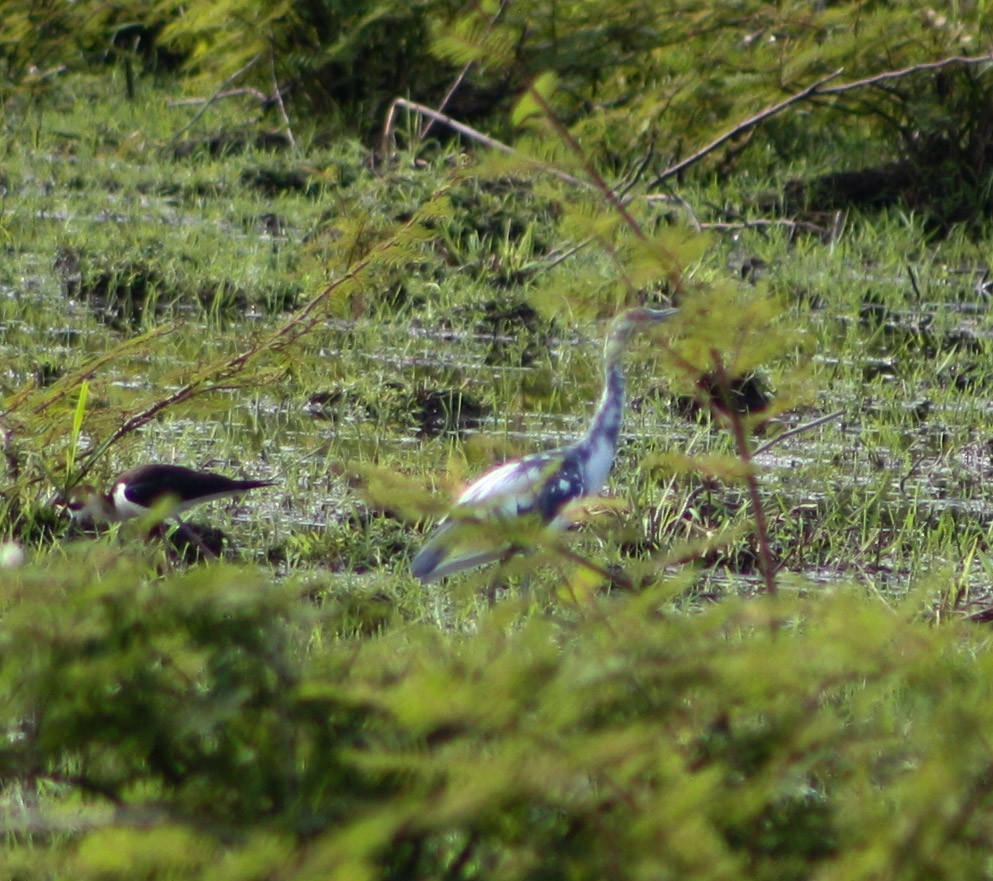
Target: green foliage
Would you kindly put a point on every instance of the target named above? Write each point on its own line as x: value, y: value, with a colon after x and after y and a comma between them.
x: 634, y: 72
x: 161, y: 688
x: 350, y: 59
x: 773, y: 740
x: 337, y: 721
x: 637, y: 78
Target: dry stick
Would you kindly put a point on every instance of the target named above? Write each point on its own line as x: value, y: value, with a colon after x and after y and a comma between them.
x: 473, y: 134
x: 761, y: 223
x: 244, y: 69
x: 616, y: 202
x: 742, y: 127
x: 799, y: 429
x: 815, y: 88
x: 469, y: 132
x: 423, y: 133
x: 258, y: 95
x: 906, y: 71
x: 210, y: 380
x: 913, y: 282
x: 278, y: 96
x: 741, y: 442
x: 597, y: 179
x: 627, y: 199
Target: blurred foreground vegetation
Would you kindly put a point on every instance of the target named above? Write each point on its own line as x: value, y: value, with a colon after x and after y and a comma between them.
x: 220, y: 253
x: 216, y: 725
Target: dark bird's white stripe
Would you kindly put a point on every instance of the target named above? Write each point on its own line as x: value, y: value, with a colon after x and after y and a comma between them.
x: 138, y: 491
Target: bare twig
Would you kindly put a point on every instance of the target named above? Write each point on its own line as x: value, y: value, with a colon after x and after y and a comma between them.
x: 597, y: 179
x: 278, y: 97
x: 742, y: 127
x: 816, y: 88
x: 469, y: 132
x: 913, y: 282
x: 762, y: 223
x: 196, y: 116
x: 615, y: 201
x: 906, y: 71
x: 423, y: 133
x: 751, y: 482
x: 914, y: 465
x: 683, y: 203
x: 438, y: 116
x: 214, y: 377
x: 799, y: 429
x: 566, y: 254
x: 257, y: 94
x: 634, y: 177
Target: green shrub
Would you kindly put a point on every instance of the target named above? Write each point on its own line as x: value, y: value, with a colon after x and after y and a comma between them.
x: 830, y: 736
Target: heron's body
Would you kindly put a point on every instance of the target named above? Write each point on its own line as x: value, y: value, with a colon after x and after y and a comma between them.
x: 173, y: 488
x: 541, y: 484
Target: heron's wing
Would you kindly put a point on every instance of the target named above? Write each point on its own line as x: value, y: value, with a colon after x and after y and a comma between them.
x: 454, y: 547
x: 511, y: 488
x: 483, y: 526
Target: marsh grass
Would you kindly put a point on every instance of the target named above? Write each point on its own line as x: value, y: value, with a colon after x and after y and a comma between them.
x: 196, y: 237
x: 302, y: 708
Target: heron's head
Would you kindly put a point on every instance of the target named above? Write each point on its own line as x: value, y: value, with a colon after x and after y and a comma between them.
x: 627, y: 323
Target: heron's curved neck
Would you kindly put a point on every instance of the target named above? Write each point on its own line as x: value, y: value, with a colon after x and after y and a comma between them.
x: 598, y: 446
x: 606, y: 422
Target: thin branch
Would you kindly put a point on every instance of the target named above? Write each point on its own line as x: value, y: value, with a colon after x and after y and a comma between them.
x: 196, y: 116
x: 455, y: 125
x: 816, y: 88
x: 762, y: 223
x: 566, y: 254
x: 302, y: 323
x: 751, y: 482
x: 615, y: 201
x: 258, y: 95
x: 469, y: 132
x: 423, y: 133
x: 683, y: 203
x: 742, y: 127
x: 906, y: 71
x: 597, y: 179
x: 625, y: 198
x: 913, y: 282
x: 799, y: 429
x: 278, y: 97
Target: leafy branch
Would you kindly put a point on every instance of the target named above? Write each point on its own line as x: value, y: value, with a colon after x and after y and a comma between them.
x: 217, y: 376
x: 817, y: 88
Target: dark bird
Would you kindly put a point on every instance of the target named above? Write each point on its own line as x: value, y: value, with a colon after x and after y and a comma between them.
x: 166, y: 489
x: 541, y: 484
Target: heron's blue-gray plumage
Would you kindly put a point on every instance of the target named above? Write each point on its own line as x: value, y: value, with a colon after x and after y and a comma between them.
x: 541, y: 483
